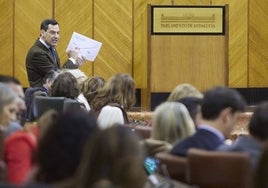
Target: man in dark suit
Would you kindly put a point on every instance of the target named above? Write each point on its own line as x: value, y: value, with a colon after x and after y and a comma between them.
x: 258, y: 135
x: 43, y: 58
x: 220, y: 109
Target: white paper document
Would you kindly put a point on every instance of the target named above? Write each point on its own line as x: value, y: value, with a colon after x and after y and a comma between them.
x: 85, y: 46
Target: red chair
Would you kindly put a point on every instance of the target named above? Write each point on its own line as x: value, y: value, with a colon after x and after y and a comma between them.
x: 176, y: 166
x: 142, y: 131
x: 218, y: 169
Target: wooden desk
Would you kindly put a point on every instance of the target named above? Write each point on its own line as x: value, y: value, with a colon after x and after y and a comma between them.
x: 241, y: 126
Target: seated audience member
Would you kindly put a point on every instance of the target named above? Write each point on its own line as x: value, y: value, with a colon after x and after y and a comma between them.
x: 19, y: 150
x: 9, y: 101
x: 114, y: 99
x: 184, y: 90
x: 258, y: 134
x: 8, y: 112
x: 15, y: 85
x: 21, y: 146
x: 60, y: 146
x: 112, y: 157
x: 80, y: 77
x: 193, y: 105
x: 31, y: 92
x: 261, y: 173
x: 91, y: 86
x: 66, y: 85
x: 171, y: 123
x: 220, y: 109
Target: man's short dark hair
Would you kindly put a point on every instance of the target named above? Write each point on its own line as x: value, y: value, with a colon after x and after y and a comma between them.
x: 218, y: 98
x: 46, y: 22
x: 258, y: 124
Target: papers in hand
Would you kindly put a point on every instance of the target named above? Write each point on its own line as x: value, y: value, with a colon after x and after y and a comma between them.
x: 85, y: 46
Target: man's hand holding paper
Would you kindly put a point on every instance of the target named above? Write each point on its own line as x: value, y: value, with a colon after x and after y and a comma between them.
x: 86, y: 47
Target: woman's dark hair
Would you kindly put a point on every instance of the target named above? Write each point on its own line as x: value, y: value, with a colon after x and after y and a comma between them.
x: 258, y: 124
x: 114, y: 154
x: 65, y: 85
x: 60, y: 148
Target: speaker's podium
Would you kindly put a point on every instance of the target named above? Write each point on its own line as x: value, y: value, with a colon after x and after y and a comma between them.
x: 186, y: 44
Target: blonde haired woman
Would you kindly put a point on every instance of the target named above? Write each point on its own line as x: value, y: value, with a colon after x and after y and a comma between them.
x: 184, y: 90
x: 171, y: 123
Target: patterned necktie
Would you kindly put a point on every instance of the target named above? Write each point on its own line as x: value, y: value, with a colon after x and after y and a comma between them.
x: 52, y: 50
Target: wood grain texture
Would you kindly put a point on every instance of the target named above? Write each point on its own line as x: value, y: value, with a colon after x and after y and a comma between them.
x: 198, y: 60
x: 192, y: 2
x: 28, y: 17
x: 142, y: 70
x: 258, y: 43
x: 238, y: 42
x: 140, y: 43
x: 113, y: 26
x: 6, y: 37
x: 140, y: 40
x: 74, y: 16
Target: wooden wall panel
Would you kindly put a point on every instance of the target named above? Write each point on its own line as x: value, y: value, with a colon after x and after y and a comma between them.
x: 28, y: 17
x: 141, y: 71
x: 140, y: 40
x: 113, y: 26
x: 258, y: 43
x: 192, y: 2
x: 6, y: 37
x: 159, y: 2
x: 238, y: 42
x: 74, y: 16
x: 140, y: 43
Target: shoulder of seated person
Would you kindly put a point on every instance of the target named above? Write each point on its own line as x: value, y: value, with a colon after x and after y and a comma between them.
x: 156, y: 142
x: 110, y: 107
x: 40, y: 93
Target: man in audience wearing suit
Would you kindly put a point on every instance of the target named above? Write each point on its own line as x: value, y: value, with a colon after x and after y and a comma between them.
x: 258, y: 135
x: 42, y: 57
x: 220, y: 109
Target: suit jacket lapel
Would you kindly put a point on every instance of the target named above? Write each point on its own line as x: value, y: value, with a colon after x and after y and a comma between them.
x: 38, y: 43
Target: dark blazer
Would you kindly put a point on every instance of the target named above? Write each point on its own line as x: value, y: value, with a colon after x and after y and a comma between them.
x: 39, y: 62
x: 202, y: 139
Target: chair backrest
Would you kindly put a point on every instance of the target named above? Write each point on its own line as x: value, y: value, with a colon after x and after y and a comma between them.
x: 142, y: 131
x: 218, y: 169
x: 72, y: 104
x: 176, y: 166
x: 42, y: 103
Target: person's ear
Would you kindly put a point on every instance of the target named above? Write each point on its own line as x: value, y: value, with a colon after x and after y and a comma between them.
x: 226, y: 114
x: 42, y: 31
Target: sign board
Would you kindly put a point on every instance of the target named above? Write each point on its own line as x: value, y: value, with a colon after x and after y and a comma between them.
x: 188, y: 20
